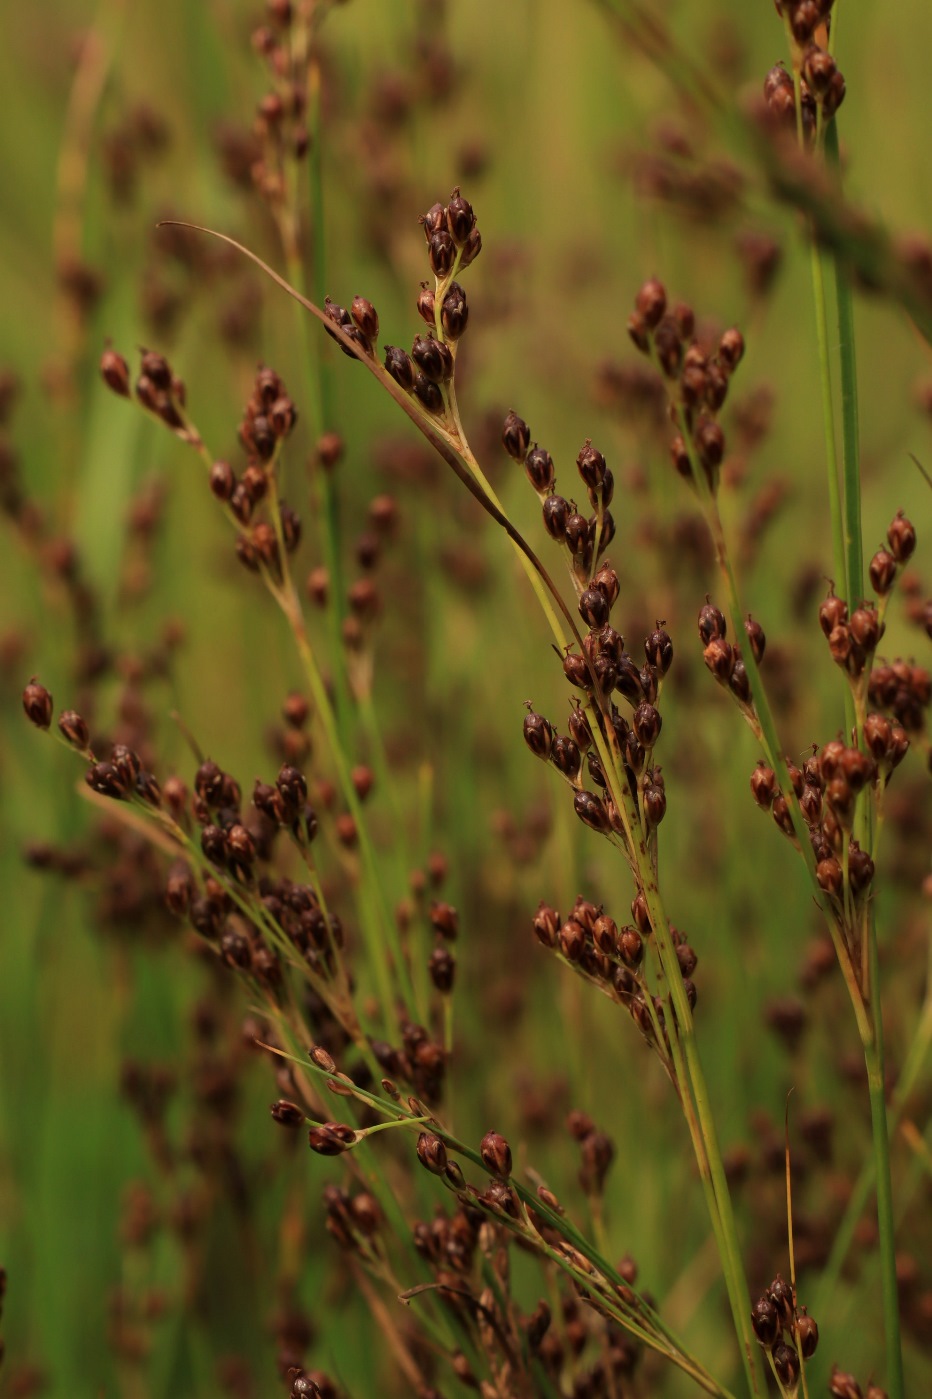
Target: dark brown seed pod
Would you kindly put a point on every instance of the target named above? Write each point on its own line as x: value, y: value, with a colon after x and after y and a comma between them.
x: 428, y: 393
x: 433, y: 358
x: 577, y: 534
x: 763, y: 785
x: 594, y: 607
x: 426, y: 304
x: 566, y: 757
x: 591, y: 811
x: 865, y: 627
x: 572, y: 940
x: 538, y: 466
x: 441, y: 967
x: 222, y: 481
x: 808, y: 1333
x: 833, y: 613
x: 842, y: 1385
x: 37, y: 704
x: 653, y: 805
x: 576, y: 670
x: 399, y: 365
x: 332, y: 1138
x: 441, y: 253
x: 647, y: 723
x: 756, y: 638
x: 651, y: 302
x: 538, y: 735
x: 516, y: 436
x: 444, y: 920
x: 712, y: 624
x: 785, y: 1364
x: 731, y: 350
x: 580, y: 731
x: 882, y: 572
x: 287, y: 1114
x: 365, y: 317
x: 608, y: 583
x: 106, y: 779
x: 461, y: 219
x: 454, y: 313
x: 434, y: 220
x: 432, y: 1153
x: 658, y: 649
x: 546, y: 925
x: 115, y: 372
x: 901, y: 536
x: 496, y: 1155
x: 556, y: 513
x: 590, y: 464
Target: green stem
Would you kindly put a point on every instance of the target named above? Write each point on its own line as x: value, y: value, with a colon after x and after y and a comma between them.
x: 847, y: 361
x: 874, y: 1059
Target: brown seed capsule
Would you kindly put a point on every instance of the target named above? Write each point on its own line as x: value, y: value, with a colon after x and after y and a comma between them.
x: 631, y: 946
x: 763, y: 785
x: 287, y: 1114
x: 712, y: 624
x: 454, y: 313
x: 653, y: 804
x: 577, y: 534
x: 432, y: 1153
x: 115, y: 372
x: 808, y: 1333
x: 546, y: 925
x: 756, y: 638
x: 556, y: 513
x: 516, y: 436
x: 576, y: 670
x: 331, y: 1138
x: 651, y: 302
x: 106, y: 779
x: 842, y: 1385
x: 580, y: 731
x: 833, y: 613
x: 37, y: 703
x: 781, y: 1295
x: 594, y: 607
x: 433, y: 358
x: 785, y: 1364
x: 882, y: 572
x: 572, y: 940
x: 591, y: 811
x: 605, y: 934
x: 538, y: 735
x: 441, y: 967
x: 441, y: 253
x: 731, y: 349
x: 901, y: 536
x: 444, y: 920
x: 365, y: 317
x: 538, y: 467
x: 400, y: 367
x: 647, y: 722
x: 496, y: 1155
x: 637, y: 329
x: 590, y: 464
x: 565, y: 756
x: 865, y: 627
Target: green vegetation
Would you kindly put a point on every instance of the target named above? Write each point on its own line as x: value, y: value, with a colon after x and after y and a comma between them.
x: 613, y: 1085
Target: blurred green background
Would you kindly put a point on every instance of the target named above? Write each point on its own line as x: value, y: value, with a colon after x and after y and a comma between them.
x: 561, y: 133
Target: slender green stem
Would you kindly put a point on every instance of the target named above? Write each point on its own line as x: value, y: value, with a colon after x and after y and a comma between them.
x: 874, y: 1059
x: 847, y: 361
